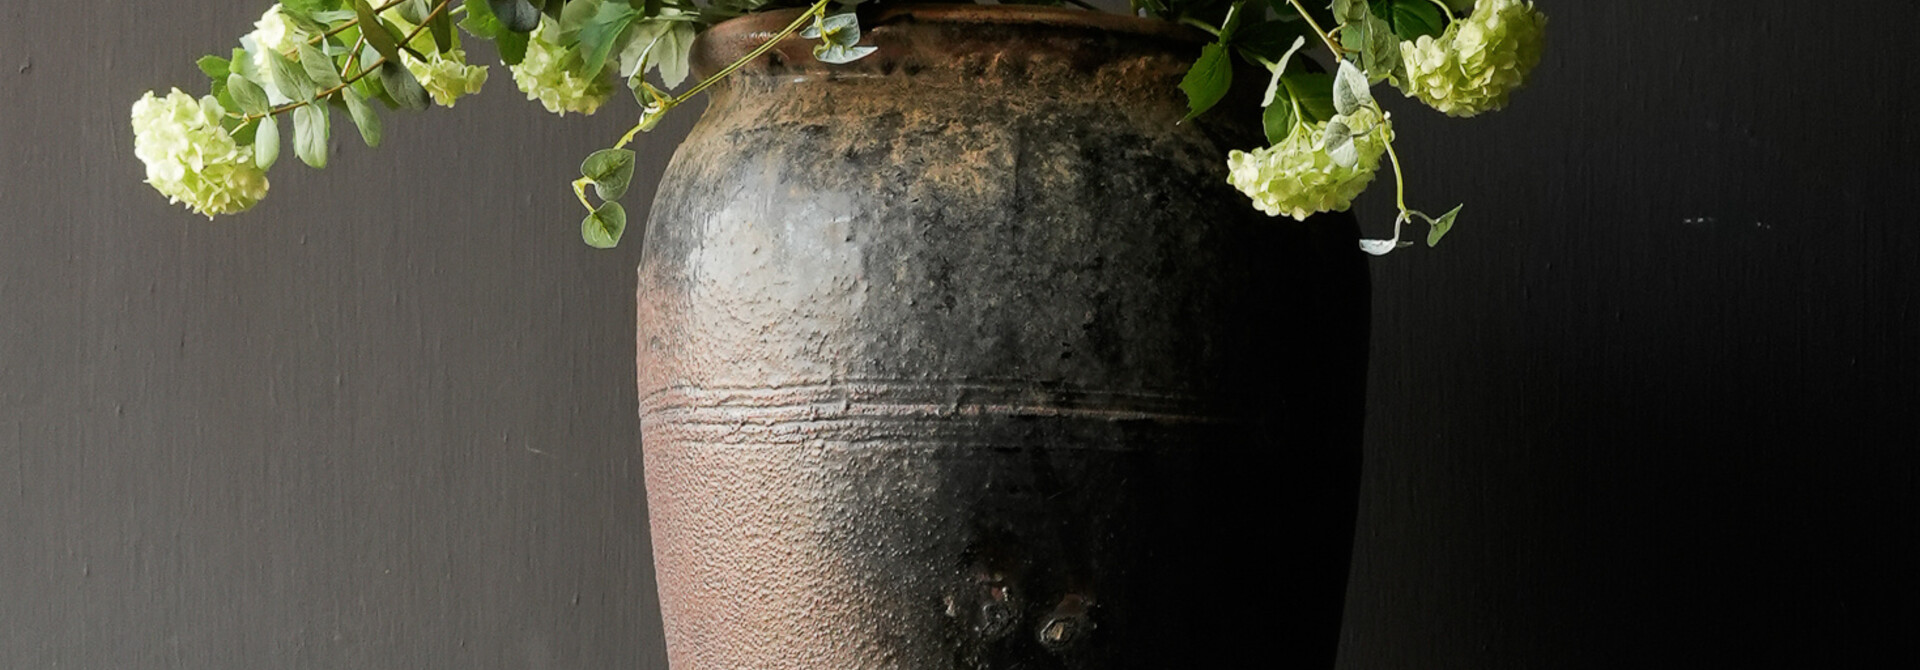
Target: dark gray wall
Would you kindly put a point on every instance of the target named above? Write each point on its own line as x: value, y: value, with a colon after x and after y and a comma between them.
x: 385, y: 420
x: 1654, y: 404
x: 1651, y: 406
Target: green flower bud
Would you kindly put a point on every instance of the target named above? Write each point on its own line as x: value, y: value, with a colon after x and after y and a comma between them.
x: 1297, y: 177
x: 548, y: 74
x: 190, y: 158
x: 1478, y: 62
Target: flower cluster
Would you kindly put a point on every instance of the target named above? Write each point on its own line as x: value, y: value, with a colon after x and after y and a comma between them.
x: 447, y: 76
x: 190, y: 158
x: 1478, y: 61
x: 1298, y: 177
x: 548, y: 74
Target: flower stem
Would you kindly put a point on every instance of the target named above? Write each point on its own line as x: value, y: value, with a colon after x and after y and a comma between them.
x: 353, y: 55
x: 818, y: 9
x: 1317, y: 30
x: 1197, y: 23
x: 1399, y: 180
x: 580, y: 191
x: 355, y: 21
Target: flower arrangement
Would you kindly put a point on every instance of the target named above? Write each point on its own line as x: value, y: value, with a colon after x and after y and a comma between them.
x: 1326, y: 133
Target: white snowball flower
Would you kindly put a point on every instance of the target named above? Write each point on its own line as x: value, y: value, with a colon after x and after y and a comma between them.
x: 446, y: 76
x: 1298, y: 178
x: 1478, y: 62
x: 191, y: 159
x: 545, y: 75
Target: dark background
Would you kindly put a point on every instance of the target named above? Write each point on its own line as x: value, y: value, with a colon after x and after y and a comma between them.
x: 1652, y: 405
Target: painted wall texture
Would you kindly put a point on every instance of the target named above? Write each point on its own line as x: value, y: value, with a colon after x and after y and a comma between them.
x: 1651, y: 405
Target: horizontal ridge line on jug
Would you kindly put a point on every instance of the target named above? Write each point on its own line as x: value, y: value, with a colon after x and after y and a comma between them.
x: 914, y: 400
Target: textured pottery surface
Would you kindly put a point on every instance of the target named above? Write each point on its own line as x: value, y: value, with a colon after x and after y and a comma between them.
x: 965, y: 356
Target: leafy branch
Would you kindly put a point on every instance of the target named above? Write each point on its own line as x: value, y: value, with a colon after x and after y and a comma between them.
x: 1326, y: 132
x: 609, y: 171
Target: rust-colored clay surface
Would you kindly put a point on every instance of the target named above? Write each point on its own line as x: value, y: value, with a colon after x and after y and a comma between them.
x: 965, y: 356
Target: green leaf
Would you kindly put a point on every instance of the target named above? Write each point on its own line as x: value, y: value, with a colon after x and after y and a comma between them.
x: 480, y: 21
x: 402, y: 87
x: 513, y: 47
x: 414, y: 11
x: 1278, y: 121
x: 376, y: 32
x: 217, y: 68
x: 1381, y: 53
x: 1372, y: 37
x: 310, y: 134
x: 674, y: 55
x: 1279, y: 69
x: 1208, y: 81
x: 1338, y: 143
x: 575, y: 15
x: 1378, y: 247
x: 641, y: 43
x: 242, y: 64
x: 1349, y: 11
x: 1314, y: 92
x: 334, y: 18
x: 289, y: 78
x: 611, y: 171
x: 1411, y: 19
x: 363, y: 115
x: 318, y: 66
x: 518, y: 16
x: 442, y: 29
x: 836, y: 54
x: 842, y: 29
x: 310, y: 6
x: 220, y: 93
x: 483, y: 24
x: 303, y: 20
x: 1350, y: 89
x: 1441, y: 226
x: 247, y: 95
x: 266, y: 143
x: 602, y: 229
x: 599, y: 33
x: 839, y: 37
